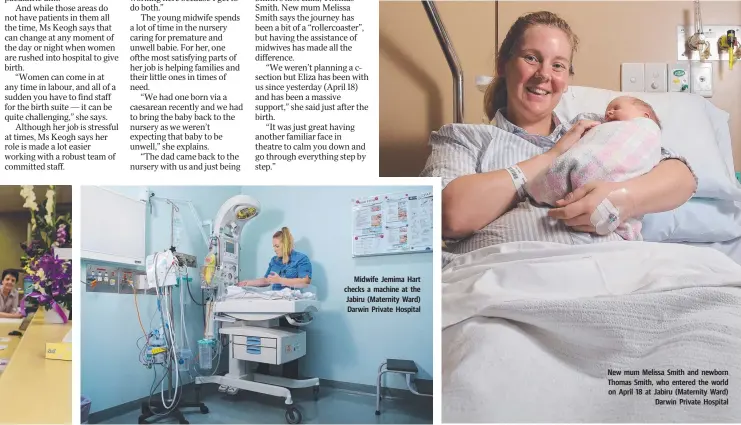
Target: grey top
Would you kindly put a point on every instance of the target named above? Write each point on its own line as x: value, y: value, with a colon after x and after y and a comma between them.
x: 463, y: 149
x: 9, y: 304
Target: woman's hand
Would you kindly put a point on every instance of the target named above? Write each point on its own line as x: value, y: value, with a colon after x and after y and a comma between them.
x: 577, y: 208
x: 273, y: 278
x: 573, y: 135
x: 255, y: 282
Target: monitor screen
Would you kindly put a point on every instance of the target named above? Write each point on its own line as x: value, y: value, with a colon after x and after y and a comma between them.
x: 229, y: 247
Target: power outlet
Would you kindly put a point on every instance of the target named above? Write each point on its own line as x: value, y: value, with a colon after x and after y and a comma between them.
x: 655, y: 77
x: 632, y: 77
x: 101, y: 275
x: 702, y: 78
x: 140, y: 283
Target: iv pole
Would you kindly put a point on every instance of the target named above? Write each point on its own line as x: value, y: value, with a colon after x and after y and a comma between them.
x: 173, y: 368
x: 206, y: 236
x: 174, y: 411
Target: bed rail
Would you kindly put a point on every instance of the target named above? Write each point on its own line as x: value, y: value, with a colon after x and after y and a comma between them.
x: 450, y: 57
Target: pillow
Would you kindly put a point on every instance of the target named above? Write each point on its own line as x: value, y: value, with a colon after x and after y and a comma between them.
x: 698, y: 220
x: 719, y: 119
x: 687, y: 131
x: 711, y: 215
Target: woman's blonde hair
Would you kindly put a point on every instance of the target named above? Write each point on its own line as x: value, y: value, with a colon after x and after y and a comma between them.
x: 496, y: 93
x: 286, y: 239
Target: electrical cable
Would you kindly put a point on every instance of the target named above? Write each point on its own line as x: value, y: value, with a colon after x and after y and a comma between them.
x: 169, y: 333
x: 183, y: 328
x: 194, y: 300
x: 138, y: 315
x: 164, y: 298
x: 173, y: 355
x: 151, y: 394
x: 170, y: 359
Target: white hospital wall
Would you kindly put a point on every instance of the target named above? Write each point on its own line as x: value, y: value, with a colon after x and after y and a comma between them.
x: 111, y: 373
x: 341, y: 346
x: 416, y: 87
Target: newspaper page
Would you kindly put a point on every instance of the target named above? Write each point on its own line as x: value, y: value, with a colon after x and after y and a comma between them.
x: 193, y: 89
x: 188, y: 190
x: 175, y: 188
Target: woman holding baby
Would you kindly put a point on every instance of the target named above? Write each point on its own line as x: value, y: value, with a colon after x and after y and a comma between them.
x: 484, y: 168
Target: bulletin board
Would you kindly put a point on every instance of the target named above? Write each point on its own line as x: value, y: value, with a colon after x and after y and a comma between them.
x: 398, y: 223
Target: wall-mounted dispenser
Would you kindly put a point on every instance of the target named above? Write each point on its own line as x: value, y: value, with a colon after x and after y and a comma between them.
x: 716, y: 36
x: 729, y: 43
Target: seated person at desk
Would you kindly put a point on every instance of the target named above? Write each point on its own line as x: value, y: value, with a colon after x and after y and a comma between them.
x: 9, y: 296
x: 288, y: 269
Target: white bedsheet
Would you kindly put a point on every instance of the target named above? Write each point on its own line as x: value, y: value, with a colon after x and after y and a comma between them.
x: 242, y: 292
x: 530, y: 329
x: 731, y: 248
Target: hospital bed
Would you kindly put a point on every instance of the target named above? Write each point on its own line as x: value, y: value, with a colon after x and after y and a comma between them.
x: 531, y: 329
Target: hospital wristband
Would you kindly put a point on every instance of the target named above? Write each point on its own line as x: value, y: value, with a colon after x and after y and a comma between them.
x: 518, y: 179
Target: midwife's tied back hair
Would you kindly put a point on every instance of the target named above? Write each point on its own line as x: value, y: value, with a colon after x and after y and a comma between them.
x: 496, y: 94
x: 286, y: 239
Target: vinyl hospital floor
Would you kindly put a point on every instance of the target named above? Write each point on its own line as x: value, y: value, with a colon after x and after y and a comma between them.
x: 334, y: 406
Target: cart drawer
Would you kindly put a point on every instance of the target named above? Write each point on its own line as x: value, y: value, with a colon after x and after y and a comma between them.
x: 255, y: 353
x: 255, y: 341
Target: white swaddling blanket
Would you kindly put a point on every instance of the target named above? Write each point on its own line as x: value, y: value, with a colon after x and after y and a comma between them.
x: 530, y: 330
x: 614, y: 151
x: 289, y: 294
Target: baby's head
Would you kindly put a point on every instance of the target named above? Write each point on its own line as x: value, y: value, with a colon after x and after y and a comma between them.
x: 626, y: 108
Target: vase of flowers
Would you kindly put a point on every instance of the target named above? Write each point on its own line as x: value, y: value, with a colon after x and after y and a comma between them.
x: 51, y: 276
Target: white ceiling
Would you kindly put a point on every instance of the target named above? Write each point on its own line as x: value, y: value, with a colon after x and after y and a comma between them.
x: 11, y: 200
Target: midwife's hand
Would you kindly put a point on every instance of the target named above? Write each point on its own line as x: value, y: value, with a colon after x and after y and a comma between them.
x: 573, y: 135
x: 273, y: 278
x: 577, y: 208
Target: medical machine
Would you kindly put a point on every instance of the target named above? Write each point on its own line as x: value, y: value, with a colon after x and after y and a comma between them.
x: 248, y: 317
x: 251, y: 323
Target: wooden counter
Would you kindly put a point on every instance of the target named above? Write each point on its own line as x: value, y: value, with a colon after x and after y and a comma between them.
x: 32, y: 388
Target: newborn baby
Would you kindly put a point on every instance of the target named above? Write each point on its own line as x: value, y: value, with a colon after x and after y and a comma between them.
x: 626, y: 145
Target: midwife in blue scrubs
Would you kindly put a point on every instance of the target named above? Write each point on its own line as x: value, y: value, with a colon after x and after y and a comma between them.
x: 288, y: 269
